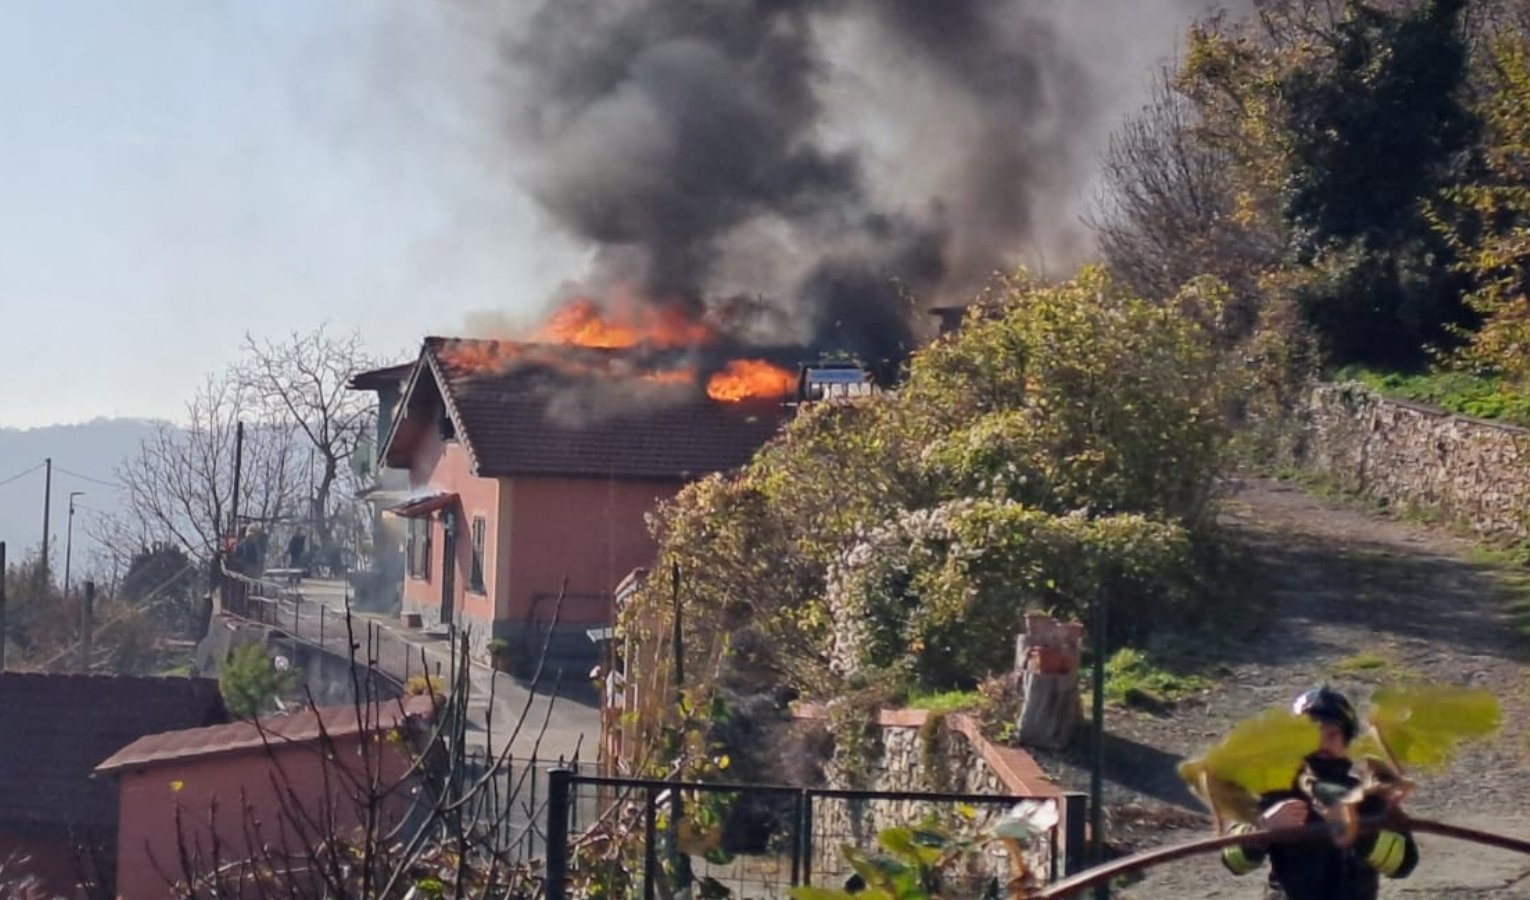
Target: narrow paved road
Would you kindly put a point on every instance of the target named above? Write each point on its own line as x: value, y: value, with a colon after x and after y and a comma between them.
x: 551, y: 727
x: 1356, y: 598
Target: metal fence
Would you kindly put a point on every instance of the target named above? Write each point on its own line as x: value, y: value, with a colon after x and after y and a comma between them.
x: 639, y: 838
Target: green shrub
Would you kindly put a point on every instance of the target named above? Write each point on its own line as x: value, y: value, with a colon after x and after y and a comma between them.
x: 251, y: 683
x: 938, y: 597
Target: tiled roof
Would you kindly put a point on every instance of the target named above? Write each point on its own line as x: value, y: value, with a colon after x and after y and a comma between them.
x: 377, y: 379
x: 568, y: 411
x: 56, y: 728
x: 299, y: 728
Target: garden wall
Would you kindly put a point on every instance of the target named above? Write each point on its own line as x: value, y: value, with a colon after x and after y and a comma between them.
x: 918, y: 751
x: 1472, y: 472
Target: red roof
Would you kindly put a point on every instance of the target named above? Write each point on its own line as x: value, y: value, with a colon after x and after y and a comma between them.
x: 302, y: 727
x: 58, y: 727
x: 554, y: 410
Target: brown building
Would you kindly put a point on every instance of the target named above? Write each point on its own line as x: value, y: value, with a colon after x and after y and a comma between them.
x: 226, y: 797
x: 536, y: 465
x: 53, y: 812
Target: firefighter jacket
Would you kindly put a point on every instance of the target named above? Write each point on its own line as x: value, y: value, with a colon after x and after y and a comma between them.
x: 1321, y: 870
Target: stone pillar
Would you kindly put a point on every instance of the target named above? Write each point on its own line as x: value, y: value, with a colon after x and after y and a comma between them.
x: 1046, y: 664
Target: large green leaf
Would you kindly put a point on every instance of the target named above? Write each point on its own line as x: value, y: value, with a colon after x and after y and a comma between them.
x: 1262, y: 753
x: 1424, y: 725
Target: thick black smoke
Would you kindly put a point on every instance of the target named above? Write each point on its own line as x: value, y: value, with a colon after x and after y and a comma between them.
x: 811, y: 170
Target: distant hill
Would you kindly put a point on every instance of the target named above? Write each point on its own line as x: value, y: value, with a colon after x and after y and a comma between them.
x: 85, y: 458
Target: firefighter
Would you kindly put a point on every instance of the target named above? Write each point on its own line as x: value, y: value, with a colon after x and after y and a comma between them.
x: 1322, y: 870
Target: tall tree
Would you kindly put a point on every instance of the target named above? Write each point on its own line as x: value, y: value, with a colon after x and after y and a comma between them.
x: 1377, y: 131
x: 1342, y: 122
x: 301, y: 381
x: 1169, y: 211
x: 178, y: 489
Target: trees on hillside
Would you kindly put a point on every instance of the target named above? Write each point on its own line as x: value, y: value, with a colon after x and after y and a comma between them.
x: 1297, y: 156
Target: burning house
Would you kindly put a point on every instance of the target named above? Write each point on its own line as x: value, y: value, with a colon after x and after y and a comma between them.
x: 533, y: 465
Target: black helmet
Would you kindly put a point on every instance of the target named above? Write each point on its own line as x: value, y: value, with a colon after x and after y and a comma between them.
x: 1324, y: 704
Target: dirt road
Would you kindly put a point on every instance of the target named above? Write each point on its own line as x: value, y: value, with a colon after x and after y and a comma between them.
x: 1355, y: 598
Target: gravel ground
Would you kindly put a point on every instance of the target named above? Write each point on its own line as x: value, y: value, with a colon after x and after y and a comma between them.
x: 1336, y: 580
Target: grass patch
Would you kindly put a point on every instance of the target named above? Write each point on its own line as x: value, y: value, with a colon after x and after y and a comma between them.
x: 1469, y: 395
x: 1132, y: 679
x: 181, y: 671
x: 1369, y: 665
x: 943, y: 701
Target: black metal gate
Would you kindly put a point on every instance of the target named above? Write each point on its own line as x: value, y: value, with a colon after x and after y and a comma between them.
x: 634, y: 835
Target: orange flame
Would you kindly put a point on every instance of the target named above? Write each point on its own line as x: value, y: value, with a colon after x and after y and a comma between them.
x: 743, y: 379
x: 587, y: 325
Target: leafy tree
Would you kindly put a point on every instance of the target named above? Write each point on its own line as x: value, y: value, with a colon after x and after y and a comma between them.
x: 250, y: 681
x: 1377, y: 131
x: 1492, y: 231
x: 1342, y: 122
x: 1066, y: 434
x: 162, y: 571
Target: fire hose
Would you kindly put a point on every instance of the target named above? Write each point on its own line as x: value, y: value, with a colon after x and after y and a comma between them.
x: 1322, y: 832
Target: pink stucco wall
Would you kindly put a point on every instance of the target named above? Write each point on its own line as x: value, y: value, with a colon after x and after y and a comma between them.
x: 539, y: 531
x: 52, y: 861
x: 446, y: 467
x: 590, y: 530
x: 221, y: 794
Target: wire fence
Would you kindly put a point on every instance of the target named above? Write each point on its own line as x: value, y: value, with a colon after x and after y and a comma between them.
x: 641, y: 839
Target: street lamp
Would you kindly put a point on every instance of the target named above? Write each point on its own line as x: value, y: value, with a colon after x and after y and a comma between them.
x: 69, y: 540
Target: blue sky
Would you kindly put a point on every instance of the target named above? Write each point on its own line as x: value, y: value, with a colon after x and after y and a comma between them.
x: 176, y: 172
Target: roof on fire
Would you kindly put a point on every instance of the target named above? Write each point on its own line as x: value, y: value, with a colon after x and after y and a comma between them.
x: 560, y: 416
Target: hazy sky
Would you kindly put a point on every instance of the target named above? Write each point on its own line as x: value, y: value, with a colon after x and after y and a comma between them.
x: 176, y: 172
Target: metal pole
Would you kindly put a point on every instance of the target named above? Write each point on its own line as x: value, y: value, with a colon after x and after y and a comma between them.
x: 47, y: 510
x: 1097, y: 770
x: 233, y: 507
x: 2, y: 606
x: 69, y: 540
x: 87, y: 625
x: 558, y: 783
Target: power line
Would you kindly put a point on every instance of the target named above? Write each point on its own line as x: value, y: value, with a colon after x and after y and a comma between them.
x: 20, y: 475
x: 100, y: 481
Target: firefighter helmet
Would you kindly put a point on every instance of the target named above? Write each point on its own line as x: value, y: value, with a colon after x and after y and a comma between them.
x: 1324, y: 704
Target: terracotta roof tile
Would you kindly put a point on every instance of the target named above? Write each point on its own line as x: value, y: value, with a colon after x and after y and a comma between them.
x: 235, y: 737
x: 58, y: 727
x: 562, y: 411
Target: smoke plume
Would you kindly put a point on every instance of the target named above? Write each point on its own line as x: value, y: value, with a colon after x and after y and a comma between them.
x: 806, y: 171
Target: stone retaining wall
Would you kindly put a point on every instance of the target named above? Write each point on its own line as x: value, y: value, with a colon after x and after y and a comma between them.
x: 1473, y: 472
x: 917, y: 751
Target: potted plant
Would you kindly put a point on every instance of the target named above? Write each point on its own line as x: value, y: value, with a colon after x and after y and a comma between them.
x: 499, y: 654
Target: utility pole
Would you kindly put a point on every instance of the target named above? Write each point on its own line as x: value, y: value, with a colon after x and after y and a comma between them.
x: 87, y: 625
x: 2, y: 606
x: 233, y: 516
x: 1097, y: 770
x: 69, y: 540
x: 44, y: 574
